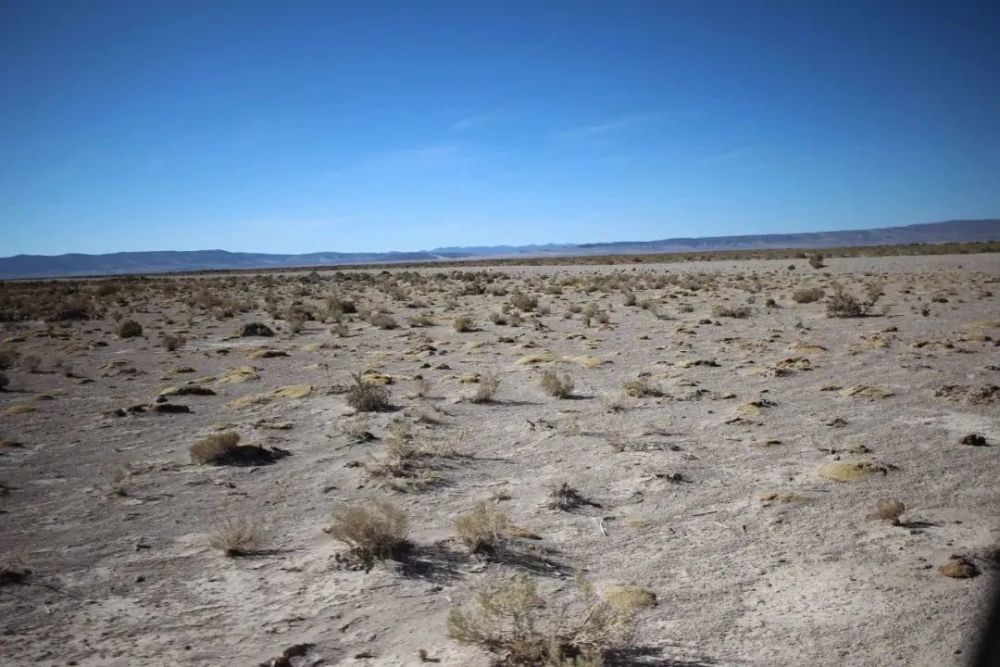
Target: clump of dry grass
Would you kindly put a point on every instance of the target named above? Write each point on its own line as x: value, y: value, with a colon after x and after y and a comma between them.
x: 13, y: 569
x: 8, y: 357
x: 890, y: 510
x: 236, y: 536
x: 296, y: 321
x: 382, y: 321
x: 31, y: 363
x: 215, y: 448
x: 737, y: 312
x: 844, y: 304
x: 808, y: 295
x: 421, y: 321
x: 173, y: 342
x: 483, y: 528
x: 462, y: 324
x: 128, y: 329
x: 336, y: 307
x: 641, y: 387
x: 816, y: 260
x: 593, y: 312
x: 256, y: 329
x: 365, y: 396
x: 565, y: 497
x: 559, y: 387
x: 486, y: 389
x: 403, y: 467
x: 118, y: 480
x: 513, y: 621
x: 357, y: 429
x: 522, y: 301
x: 373, y: 529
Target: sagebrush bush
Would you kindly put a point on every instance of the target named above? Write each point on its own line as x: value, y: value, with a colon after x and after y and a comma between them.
x: 513, y: 621
x: 483, y: 528
x: 486, y: 389
x: 559, y: 387
x: 738, y: 312
x: 173, y: 342
x: 238, y: 536
x: 382, y: 321
x: 404, y: 467
x: 890, y: 510
x: 844, y: 304
x: 462, y: 324
x: 256, y: 329
x: 8, y: 357
x: 366, y: 396
x: 215, y: 448
x: 564, y: 497
x: 373, y: 529
x: 522, y: 301
x: 808, y: 295
x: 640, y: 387
x: 128, y: 329
x: 420, y: 321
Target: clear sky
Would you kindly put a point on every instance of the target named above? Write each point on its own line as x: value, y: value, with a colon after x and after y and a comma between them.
x: 354, y: 126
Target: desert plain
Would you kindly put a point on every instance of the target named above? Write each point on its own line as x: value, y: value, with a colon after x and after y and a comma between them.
x: 758, y: 462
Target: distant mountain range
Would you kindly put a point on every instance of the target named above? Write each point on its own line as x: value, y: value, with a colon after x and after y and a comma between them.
x: 40, y: 266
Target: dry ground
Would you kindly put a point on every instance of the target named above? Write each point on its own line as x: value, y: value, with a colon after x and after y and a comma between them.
x: 715, y: 495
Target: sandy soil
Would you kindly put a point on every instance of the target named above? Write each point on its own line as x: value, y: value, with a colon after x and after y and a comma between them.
x: 710, y: 496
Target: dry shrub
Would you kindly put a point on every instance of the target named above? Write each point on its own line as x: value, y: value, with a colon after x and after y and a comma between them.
x: 366, y: 396
x: 236, y: 536
x: 420, y: 321
x: 559, y: 387
x: 31, y: 363
x: 816, y: 260
x: 844, y: 304
x: 118, y: 479
x: 128, y: 329
x: 256, y: 329
x: 890, y: 510
x: 382, y: 321
x: 8, y: 357
x: 403, y: 467
x: 738, y: 312
x: 564, y: 497
x: 522, y: 301
x: 513, y: 621
x: 173, y: 342
x: 357, y: 429
x: 215, y: 448
x: 462, y: 324
x: 296, y: 321
x: 486, y: 389
x: 374, y: 529
x: 336, y: 307
x: 808, y: 295
x: 640, y: 387
x: 14, y: 569
x: 483, y: 528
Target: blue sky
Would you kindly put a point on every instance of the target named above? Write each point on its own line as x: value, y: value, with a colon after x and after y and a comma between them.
x: 353, y: 126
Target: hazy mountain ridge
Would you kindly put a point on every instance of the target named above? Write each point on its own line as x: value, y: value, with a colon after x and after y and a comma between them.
x: 76, y: 264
